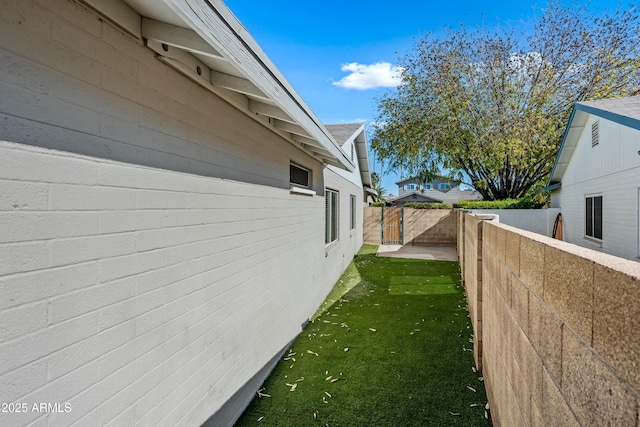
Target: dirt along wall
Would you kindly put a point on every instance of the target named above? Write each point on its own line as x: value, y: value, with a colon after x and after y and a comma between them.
x: 556, y: 326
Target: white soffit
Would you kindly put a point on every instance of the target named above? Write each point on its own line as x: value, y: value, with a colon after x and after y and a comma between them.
x: 205, y: 41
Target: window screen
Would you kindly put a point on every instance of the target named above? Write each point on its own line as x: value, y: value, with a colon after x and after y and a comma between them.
x: 298, y: 175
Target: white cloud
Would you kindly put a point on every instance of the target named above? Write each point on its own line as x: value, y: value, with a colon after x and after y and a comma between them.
x: 363, y: 77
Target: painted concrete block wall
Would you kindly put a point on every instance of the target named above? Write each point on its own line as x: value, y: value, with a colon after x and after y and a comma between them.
x: 73, y: 82
x: 610, y: 169
x: 539, y: 221
x: 560, y: 343
x: 152, y: 259
x: 340, y: 253
x: 139, y: 295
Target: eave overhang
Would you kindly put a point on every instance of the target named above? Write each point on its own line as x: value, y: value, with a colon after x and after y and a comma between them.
x: 203, y: 40
x: 575, y: 126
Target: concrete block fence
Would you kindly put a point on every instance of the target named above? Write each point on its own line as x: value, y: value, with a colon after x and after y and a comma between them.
x: 555, y: 327
x: 420, y: 226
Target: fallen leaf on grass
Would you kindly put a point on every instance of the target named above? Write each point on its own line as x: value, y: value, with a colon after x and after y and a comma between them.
x: 334, y: 380
x: 475, y: 404
x: 293, y: 386
x: 327, y: 394
x: 328, y: 378
x: 486, y: 406
x: 372, y: 330
x: 261, y: 394
x: 312, y: 352
x: 260, y: 419
x: 300, y: 379
x: 471, y: 388
x: 346, y: 349
x: 454, y: 413
x: 486, y: 415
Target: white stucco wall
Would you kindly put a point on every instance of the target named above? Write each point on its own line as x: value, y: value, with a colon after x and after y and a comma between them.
x: 610, y: 169
x: 152, y: 258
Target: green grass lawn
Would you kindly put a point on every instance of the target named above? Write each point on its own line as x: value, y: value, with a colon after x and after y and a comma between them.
x: 390, y: 347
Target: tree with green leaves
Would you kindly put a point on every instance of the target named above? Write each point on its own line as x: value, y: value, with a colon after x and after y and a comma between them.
x: 491, y: 104
x: 376, y: 185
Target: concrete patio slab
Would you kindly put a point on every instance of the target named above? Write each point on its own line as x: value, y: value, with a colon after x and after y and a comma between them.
x: 438, y: 253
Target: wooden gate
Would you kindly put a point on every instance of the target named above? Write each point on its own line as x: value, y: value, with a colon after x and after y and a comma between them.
x: 392, y: 226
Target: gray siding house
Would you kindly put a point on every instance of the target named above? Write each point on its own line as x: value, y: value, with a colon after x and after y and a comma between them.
x: 595, y: 179
x: 171, y: 212
x: 438, y: 190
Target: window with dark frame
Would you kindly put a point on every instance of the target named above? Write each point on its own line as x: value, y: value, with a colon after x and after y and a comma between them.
x: 593, y: 215
x: 353, y: 212
x: 299, y: 176
x: 331, y: 215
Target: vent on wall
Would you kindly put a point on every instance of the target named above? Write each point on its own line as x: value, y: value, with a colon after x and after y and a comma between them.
x: 595, y: 133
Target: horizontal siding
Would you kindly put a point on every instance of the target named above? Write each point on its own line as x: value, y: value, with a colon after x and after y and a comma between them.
x: 609, y: 169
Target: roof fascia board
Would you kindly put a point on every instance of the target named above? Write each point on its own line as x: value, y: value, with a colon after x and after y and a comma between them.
x: 608, y: 115
x: 215, y: 23
x: 562, y: 143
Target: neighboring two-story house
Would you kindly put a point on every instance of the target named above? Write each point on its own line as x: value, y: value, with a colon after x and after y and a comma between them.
x: 438, y: 190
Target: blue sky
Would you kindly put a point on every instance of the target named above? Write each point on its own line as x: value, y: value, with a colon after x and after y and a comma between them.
x: 339, y: 55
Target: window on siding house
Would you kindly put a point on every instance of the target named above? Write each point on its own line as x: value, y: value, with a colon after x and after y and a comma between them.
x: 595, y: 133
x: 331, y: 215
x: 593, y: 215
x: 353, y: 212
x: 411, y: 187
x: 427, y: 186
x: 445, y: 187
x: 299, y: 176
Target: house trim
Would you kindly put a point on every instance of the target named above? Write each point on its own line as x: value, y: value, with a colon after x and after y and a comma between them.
x: 576, y: 124
x: 203, y: 40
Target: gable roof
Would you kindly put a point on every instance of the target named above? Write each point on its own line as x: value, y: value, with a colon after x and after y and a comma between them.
x: 437, y: 177
x: 203, y: 40
x: 624, y: 111
x: 409, y: 198
x: 356, y: 133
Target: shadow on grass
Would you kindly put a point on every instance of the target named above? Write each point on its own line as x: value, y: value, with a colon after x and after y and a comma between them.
x: 389, y: 347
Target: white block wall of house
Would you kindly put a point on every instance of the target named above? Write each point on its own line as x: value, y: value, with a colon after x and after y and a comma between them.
x: 610, y: 169
x: 145, y: 296
x: 152, y: 259
x: 341, y: 252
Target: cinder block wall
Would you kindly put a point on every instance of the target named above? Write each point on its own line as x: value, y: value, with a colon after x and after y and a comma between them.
x: 372, y: 218
x: 429, y: 227
x: 420, y: 226
x: 560, y: 341
x: 139, y: 295
x: 472, y: 235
